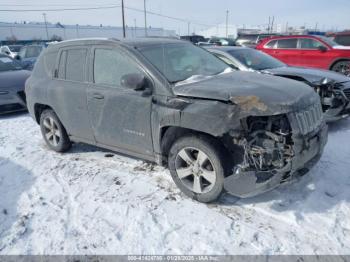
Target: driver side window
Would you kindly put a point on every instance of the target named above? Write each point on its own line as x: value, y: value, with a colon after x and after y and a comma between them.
x: 308, y: 43
x: 110, y: 65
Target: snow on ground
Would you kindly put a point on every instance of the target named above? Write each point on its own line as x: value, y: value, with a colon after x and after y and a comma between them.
x: 84, y: 202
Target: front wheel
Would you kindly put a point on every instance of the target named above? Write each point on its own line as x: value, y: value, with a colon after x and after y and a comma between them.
x: 196, y: 168
x: 342, y: 67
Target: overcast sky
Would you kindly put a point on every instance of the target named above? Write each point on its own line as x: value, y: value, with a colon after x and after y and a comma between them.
x: 329, y: 14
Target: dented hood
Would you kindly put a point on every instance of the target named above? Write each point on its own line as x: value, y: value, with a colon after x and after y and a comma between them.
x: 251, y: 91
x: 308, y: 74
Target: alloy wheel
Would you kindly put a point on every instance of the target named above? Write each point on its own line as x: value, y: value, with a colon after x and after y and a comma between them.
x: 195, y: 170
x: 343, y: 68
x: 51, y: 131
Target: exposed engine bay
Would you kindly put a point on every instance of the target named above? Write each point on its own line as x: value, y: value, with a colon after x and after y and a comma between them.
x: 267, y: 144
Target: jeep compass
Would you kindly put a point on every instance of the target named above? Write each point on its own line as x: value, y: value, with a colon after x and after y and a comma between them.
x: 173, y: 103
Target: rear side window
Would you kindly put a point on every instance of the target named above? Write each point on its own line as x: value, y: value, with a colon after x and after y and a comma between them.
x: 110, y: 65
x: 72, y: 65
x: 61, y: 65
x: 287, y: 43
x: 50, y: 61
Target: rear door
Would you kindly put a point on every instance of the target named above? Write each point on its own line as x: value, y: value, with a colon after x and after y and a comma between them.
x: 68, y: 93
x: 286, y: 51
x: 120, y: 117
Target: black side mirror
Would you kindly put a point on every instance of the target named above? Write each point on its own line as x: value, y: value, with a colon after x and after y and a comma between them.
x: 17, y: 57
x: 134, y: 81
x: 322, y: 48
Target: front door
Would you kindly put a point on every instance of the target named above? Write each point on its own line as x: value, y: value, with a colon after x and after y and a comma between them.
x: 120, y: 117
x: 312, y: 56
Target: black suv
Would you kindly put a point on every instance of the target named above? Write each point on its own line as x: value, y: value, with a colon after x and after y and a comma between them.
x: 176, y: 104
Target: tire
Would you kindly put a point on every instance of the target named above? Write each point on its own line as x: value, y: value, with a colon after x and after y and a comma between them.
x: 201, y: 175
x: 342, y: 67
x: 53, y: 132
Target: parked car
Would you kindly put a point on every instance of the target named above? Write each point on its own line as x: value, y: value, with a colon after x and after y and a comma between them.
x: 12, y: 79
x: 251, y: 40
x: 333, y: 88
x: 342, y: 38
x: 174, y: 103
x: 195, y: 39
x: 221, y: 41
x: 29, y: 54
x: 10, y: 50
x: 309, y: 51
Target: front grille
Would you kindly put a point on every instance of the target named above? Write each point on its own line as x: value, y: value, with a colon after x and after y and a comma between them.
x: 347, y: 93
x: 309, y: 119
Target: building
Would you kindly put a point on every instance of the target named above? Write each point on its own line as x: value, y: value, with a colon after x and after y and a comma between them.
x: 37, y: 31
x: 219, y: 31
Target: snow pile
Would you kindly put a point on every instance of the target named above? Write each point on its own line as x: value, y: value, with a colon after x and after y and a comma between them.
x: 89, y: 201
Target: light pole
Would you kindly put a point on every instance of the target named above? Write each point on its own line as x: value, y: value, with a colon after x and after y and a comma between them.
x: 226, y: 23
x: 145, y: 13
x: 77, y: 30
x: 47, y: 31
x: 123, y: 19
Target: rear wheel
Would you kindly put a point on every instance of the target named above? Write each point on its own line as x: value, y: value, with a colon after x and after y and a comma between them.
x: 342, y: 67
x: 196, y: 168
x: 53, y: 131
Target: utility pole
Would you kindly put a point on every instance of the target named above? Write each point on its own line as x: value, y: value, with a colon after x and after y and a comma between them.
x: 47, y: 31
x: 272, y: 23
x: 77, y: 30
x: 188, y: 28
x: 268, y: 27
x: 124, y: 35
x: 135, y: 27
x: 226, y: 23
x: 145, y: 14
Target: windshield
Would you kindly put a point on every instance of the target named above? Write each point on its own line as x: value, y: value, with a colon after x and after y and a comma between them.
x: 33, y: 51
x: 15, y: 48
x: 256, y: 60
x: 8, y: 64
x: 178, y: 62
x: 328, y: 41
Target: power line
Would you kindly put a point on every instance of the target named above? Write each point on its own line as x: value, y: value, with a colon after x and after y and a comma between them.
x: 106, y: 7
x: 60, y: 9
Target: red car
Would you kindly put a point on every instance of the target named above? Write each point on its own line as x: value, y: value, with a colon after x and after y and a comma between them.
x: 308, y: 51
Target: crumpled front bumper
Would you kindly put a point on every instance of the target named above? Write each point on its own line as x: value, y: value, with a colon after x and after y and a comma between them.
x: 308, y: 150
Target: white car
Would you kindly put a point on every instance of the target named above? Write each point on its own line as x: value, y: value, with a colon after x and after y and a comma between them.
x: 10, y: 50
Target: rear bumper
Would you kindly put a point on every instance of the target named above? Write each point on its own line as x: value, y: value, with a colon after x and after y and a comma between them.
x: 308, y: 151
x: 11, y: 101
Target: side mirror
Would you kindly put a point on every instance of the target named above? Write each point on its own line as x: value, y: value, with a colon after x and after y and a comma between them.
x: 17, y: 57
x: 322, y: 48
x: 134, y: 81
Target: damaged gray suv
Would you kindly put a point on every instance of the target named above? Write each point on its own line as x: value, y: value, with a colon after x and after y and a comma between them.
x: 176, y: 104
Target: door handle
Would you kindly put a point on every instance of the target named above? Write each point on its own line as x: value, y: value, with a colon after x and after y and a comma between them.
x: 98, y: 96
